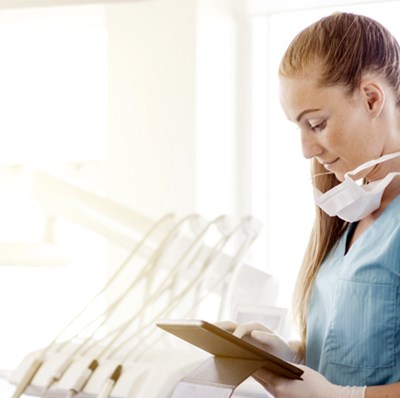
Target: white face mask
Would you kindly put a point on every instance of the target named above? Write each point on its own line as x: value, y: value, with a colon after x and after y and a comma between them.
x: 352, y: 202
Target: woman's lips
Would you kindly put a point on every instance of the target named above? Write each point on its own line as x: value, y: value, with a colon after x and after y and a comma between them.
x: 330, y: 164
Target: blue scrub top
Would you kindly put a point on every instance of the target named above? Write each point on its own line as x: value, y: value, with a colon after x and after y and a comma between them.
x: 353, y: 324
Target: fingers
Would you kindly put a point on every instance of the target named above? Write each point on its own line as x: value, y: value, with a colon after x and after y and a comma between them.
x: 261, y: 335
x: 256, y: 330
x: 267, y: 379
x: 281, y: 387
x: 245, y: 329
x: 226, y: 325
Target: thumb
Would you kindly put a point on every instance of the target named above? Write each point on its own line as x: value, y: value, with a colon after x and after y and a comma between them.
x: 261, y: 336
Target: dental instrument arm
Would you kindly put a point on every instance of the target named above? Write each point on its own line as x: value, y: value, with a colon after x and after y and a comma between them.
x: 28, y: 376
x: 197, y: 279
x: 83, y: 379
x: 110, y: 383
x: 38, y: 362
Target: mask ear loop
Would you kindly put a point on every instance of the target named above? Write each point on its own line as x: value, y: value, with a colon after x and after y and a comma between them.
x: 373, y: 162
x: 363, y: 166
x: 386, y: 180
x: 39, y: 360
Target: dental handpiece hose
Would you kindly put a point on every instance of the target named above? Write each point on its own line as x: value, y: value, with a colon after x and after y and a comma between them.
x: 38, y: 362
x: 110, y: 383
x: 28, y: 376
x: 83, y: 379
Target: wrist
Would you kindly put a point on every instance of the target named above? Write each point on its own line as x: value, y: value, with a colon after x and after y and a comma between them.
x: 348, y: 392
x: 297, y: 356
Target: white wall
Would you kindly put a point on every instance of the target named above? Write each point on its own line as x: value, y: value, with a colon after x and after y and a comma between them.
x: 216, y: 112
x: 151, y: 162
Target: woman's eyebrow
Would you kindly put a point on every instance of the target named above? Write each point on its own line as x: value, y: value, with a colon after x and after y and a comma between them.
x: 301, y: 114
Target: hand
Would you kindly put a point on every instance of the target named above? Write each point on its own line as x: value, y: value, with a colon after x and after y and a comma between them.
x: 229, y: 326
x: 313, y: 385
x: 269, y: 340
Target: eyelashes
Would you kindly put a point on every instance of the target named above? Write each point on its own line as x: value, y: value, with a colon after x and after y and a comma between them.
x: 319, y: 126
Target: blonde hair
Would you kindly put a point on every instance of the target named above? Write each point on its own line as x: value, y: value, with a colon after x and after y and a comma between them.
x: 346, y: 46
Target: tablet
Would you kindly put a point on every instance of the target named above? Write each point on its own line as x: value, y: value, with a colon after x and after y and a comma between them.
x: 221, y: 343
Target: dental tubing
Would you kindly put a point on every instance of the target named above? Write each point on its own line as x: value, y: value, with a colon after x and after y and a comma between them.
x: 115, y: 340
x: 39, y: 360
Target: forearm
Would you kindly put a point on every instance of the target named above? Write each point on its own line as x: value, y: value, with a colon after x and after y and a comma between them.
x: 387, y: 391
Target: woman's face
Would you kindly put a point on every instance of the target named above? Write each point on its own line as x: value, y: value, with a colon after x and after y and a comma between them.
x: 337, y: 129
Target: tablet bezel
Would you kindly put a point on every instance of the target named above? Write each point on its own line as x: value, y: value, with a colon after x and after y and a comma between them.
x: 221, y: 343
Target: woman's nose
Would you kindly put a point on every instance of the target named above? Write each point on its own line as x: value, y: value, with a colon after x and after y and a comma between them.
x: 310, y: 145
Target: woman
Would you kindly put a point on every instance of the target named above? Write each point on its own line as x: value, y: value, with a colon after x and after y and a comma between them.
x: 340, y: 83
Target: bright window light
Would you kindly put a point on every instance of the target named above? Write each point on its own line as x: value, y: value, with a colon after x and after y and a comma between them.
x: 53, y: 97
x: 53, y: 85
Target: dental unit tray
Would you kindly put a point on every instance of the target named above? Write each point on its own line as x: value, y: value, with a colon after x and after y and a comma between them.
x: 221, y: 343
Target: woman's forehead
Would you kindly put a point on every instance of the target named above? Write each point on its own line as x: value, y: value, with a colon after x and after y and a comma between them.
x: 298, y: 92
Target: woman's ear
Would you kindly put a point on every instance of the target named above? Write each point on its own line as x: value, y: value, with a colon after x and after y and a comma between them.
x: 374, y: 96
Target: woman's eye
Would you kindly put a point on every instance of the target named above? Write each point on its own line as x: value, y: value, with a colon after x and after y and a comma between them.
x: 318, y: 126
